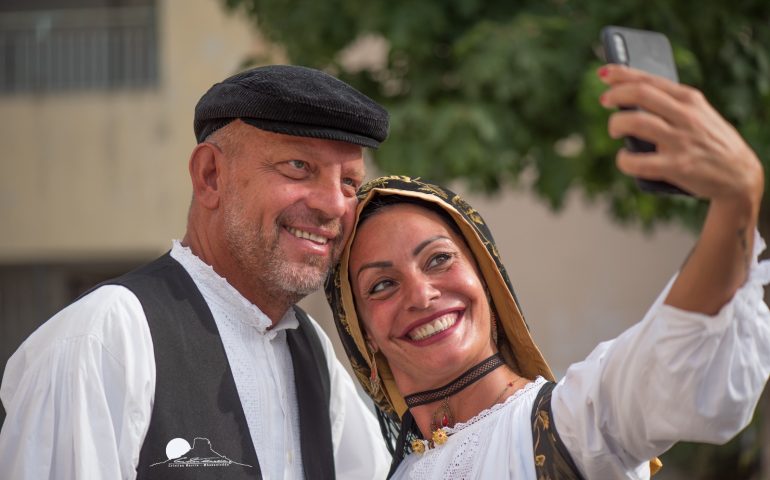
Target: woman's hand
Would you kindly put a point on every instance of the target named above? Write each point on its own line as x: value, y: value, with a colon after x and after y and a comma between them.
x: 697, y: 149
x: 700, y: 152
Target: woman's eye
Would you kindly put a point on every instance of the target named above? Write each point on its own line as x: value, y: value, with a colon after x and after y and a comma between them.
x: 380, y: 286
x: 439, y: 259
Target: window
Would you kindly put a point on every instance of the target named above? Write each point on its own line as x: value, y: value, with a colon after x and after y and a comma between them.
x: 60, y: 45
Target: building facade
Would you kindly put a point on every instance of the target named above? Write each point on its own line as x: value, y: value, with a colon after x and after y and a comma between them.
x: 96, y: 114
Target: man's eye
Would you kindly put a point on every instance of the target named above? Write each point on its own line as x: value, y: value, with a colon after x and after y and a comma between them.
x: 349, y: 187
x: 298, y: 164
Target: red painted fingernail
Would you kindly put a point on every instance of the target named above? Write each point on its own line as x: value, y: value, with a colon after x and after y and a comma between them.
x: 603, y: 71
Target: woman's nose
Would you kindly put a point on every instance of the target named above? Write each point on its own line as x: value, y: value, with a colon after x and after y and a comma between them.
x: 421, y: 293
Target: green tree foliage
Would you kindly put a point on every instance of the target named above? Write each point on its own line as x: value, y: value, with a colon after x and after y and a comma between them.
x: 505, y: 93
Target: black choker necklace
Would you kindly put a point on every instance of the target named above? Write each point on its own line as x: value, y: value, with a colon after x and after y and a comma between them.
x: 474, y: 374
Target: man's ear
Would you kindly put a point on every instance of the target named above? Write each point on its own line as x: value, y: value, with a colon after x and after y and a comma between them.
x: 205, y: 173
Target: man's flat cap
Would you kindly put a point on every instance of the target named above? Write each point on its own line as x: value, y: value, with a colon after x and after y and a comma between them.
x: 293, y: 100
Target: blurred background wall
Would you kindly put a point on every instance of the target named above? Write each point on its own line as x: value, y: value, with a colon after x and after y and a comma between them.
x: 96, y: 108
x: 96, y: 103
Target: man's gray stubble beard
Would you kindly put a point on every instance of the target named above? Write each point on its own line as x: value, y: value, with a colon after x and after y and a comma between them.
x: 260, y: 255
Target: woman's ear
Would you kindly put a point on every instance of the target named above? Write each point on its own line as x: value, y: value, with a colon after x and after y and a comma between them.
x: 374, y: 374
x: 206, y: 174
x: 371, y: 344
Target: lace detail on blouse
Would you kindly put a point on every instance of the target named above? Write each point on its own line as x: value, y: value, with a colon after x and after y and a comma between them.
x: 461, y: 466
x: 458, y: 458
x: 536, y: 384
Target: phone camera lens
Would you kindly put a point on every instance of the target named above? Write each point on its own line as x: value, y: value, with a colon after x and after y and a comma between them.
x: 620, y: 48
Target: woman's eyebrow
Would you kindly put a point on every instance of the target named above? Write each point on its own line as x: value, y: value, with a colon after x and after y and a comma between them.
x: 380, y: 264
x: 427, y: 242
x: 415, y: 252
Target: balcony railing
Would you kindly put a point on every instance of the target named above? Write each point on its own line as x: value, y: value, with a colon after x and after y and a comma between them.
x: 78, y: 49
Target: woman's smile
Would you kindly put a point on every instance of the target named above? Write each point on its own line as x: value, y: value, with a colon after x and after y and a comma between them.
x: 433, y: 327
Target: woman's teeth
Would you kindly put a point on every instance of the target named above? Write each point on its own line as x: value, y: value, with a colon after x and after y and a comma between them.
x: 307, y: 235
x: 432, y: 328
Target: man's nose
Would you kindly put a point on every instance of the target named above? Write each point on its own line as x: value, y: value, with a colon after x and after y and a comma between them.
x: 328, y: 198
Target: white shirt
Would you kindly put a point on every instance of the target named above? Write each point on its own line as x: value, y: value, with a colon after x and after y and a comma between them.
x: 495, y: 444
x: 675, y: 375
x: 78, y: 393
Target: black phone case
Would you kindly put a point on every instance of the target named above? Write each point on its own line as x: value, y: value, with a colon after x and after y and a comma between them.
x: 651, y: 52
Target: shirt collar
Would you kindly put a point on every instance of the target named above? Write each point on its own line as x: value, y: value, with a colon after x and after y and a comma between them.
x: 217, y: 289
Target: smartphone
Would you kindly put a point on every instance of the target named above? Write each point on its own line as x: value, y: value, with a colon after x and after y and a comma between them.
x: 651, y: 52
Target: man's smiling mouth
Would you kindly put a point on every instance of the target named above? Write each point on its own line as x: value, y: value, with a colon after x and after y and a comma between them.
x: 433, y: 327
x: 308, y: 236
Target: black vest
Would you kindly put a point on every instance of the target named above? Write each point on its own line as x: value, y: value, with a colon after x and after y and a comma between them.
x: 552, y: 459
x: 196, y: 400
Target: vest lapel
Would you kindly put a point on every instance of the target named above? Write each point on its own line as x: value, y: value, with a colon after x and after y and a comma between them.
x: 196, y: 401
x: 311, y: 377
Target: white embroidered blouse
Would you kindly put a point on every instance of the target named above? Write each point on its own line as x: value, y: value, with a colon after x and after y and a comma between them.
x: 674, y: 376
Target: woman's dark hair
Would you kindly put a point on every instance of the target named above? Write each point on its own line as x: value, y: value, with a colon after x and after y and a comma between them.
x: 381, y: 202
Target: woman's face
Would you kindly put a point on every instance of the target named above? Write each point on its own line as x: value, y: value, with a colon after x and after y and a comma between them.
x: 419, y: 296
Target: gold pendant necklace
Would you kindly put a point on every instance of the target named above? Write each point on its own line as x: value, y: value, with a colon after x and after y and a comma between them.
x: 443, y: 418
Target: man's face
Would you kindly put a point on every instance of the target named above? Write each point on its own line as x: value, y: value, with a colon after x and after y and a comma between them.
x: 288, y: 206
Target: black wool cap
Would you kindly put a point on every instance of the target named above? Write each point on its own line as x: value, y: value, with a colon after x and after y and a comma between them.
x: 293, y: 100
